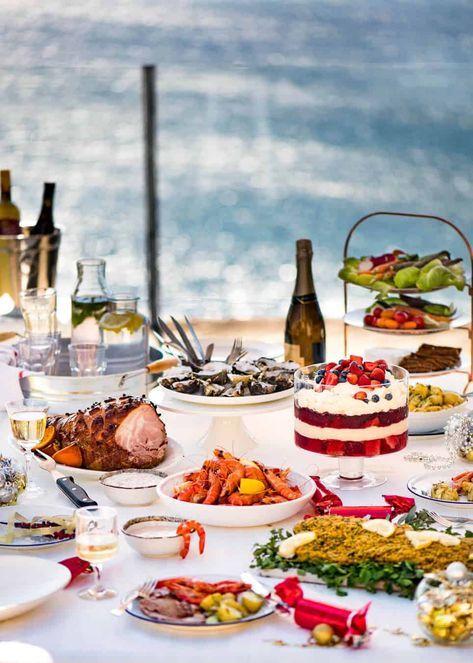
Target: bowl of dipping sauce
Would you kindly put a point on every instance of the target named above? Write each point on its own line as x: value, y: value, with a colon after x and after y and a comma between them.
x: 131, y: 487
x: 154, y: 536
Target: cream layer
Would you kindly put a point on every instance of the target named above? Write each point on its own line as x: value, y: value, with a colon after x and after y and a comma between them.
x: 350, y: 434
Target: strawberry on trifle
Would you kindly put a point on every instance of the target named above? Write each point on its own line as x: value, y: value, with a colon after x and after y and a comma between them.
x: 351, y: 408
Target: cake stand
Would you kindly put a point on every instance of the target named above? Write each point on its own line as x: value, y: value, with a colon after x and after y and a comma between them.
x: 227, y: 430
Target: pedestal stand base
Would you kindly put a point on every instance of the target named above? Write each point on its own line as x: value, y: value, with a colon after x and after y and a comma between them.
x: 229, y: 434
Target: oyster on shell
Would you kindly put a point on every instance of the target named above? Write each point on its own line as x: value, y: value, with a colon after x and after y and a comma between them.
x: 215, y: 371
x: 187, y: 386
x: 259, y: 388
x: 213, y: 389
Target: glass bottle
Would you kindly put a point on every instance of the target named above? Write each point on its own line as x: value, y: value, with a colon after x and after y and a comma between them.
x: 304, y: 340
x: 9, y: 212
x: 126, y: 334
x: 89, y: 301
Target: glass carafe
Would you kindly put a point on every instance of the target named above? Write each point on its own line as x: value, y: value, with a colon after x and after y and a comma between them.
x: 126, y: 333
x: 90, y: 300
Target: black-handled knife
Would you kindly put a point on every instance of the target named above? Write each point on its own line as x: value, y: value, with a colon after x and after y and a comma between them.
x: 75, y: 493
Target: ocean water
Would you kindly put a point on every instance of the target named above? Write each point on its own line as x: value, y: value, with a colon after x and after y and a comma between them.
x: 277, y: 120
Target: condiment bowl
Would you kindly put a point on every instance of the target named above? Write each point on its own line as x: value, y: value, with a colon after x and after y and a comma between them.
x: 132, y: 495
x: 154, y: 536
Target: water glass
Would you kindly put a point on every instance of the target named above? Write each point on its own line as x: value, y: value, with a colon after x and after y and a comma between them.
x: 28, y: 422
x: 38, y: 354
x: 96, y: 542
x: 87, y: 359
x: 38, y: 306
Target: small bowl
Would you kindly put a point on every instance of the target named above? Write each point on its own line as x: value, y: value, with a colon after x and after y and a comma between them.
x: 162, y: 542
x: 130, y: 495
x: 422, y: 423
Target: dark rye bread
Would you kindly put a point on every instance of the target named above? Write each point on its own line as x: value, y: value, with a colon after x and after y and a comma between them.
x: 431, y: 358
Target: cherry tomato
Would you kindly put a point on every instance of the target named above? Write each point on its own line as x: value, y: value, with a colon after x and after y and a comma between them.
x: 401, y: 317
x: 419, y: 320
x: 377, y: 311
x: 369, y: 320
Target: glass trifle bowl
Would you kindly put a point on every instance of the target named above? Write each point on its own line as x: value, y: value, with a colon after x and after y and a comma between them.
x: 351, y: 410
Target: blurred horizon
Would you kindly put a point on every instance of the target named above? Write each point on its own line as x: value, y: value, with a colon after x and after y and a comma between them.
x: 276, y: 121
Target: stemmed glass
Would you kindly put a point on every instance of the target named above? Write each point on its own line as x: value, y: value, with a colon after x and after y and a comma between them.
x: 28, y: 423
x: 96, y: 542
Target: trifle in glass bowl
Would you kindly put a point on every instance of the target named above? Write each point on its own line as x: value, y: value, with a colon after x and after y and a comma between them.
x: 351, y: 410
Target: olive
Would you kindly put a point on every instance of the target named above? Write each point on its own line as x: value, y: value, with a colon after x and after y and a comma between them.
x: 323, y: 635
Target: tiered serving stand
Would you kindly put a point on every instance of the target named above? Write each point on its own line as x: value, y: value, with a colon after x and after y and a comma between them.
x: 351, y: 319
x: 227, y: 429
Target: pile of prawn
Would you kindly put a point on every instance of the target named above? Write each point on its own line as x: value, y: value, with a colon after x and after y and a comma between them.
x: 218, y: 482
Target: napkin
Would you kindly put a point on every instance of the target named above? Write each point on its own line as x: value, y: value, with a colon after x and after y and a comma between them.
x: 76, y: 566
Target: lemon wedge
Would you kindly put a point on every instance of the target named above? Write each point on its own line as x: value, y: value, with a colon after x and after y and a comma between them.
x: 251, y: 486
x: 380, y: 526
x: 422, y: 539
x: 288, y: 547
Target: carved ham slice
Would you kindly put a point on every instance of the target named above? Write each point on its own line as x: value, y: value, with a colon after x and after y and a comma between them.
x: 116, y: 434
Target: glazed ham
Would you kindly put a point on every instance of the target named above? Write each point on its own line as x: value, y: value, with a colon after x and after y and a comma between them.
x: 116, y: 434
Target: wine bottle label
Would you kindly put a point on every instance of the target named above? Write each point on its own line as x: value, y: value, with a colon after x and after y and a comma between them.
x: 295, y: 353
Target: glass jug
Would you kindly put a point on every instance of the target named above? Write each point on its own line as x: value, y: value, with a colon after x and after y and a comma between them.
x: 126, y: 333
x: 90, y: 300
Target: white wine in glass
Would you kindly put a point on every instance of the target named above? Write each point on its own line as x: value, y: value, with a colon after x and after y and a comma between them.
x: 28, y: 422
x: 96, y: 542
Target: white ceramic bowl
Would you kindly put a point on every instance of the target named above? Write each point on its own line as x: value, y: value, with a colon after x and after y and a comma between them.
x: 223, y: 515
x: 127, y: 495
x: 164, y: 542
x: 421, y: 423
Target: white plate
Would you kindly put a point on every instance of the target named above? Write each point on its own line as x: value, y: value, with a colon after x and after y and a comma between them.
x: 226, y: 400
x: 26, y: 582
x: 30, y: 511
x: 396, y: 355
x: 355, y: 319
x: 421, y: 484
x: 223, y: 515
x: 422, y: 423
x: 266, y: 611
x: 174, y: 454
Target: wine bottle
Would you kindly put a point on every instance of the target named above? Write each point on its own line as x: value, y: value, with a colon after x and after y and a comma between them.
x: 9, y: 212
x: 305, y: 327
x: 45, y: 222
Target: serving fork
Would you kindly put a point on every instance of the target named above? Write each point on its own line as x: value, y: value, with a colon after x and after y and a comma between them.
x: 445, y: 522
x: 144, y: 591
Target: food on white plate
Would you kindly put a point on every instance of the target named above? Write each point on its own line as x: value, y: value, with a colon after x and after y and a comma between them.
x: 460, y: 486
x: 429, y: 398
x: 398, y: 270
x: 118, y: 433
x: 193, y: 601
x: 244, y: 377
x: 227, y: 480
x: 407, y: 313
x: 39, y: 527
x: 349, y: 551
x: 431, y: 358
x: 355, y: 408
x: 12, y: 481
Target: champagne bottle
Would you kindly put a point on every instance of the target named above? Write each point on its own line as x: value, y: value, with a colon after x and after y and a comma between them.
x: 9, y: 212
x: 45, y: 222
x: 305, y: 327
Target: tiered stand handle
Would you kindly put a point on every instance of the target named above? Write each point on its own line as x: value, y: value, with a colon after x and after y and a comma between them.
x: 409, y: 215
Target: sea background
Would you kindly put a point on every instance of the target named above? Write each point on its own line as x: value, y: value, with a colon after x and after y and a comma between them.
x: 277, y: 120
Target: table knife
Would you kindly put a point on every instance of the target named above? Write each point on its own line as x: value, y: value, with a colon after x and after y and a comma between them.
x: 75, y: 493
x: 263, y: 591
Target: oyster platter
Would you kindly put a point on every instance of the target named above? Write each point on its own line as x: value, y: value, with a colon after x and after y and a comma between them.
x: 237, y: 380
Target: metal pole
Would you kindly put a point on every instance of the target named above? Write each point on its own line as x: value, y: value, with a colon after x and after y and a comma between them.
x: 150, y: 116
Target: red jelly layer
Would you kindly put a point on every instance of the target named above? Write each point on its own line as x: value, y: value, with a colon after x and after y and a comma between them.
x: 327, y: 420
x: 375, y: 447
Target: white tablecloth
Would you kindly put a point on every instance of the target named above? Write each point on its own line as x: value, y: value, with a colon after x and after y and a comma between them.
x: 74, y: 631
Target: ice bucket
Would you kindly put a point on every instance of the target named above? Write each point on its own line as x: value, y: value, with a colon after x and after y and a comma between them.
x: 26, y: 261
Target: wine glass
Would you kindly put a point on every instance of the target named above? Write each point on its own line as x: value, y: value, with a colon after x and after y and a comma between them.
x: 96, y: 542
x: 28, y: 422
x: 331, y: 420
